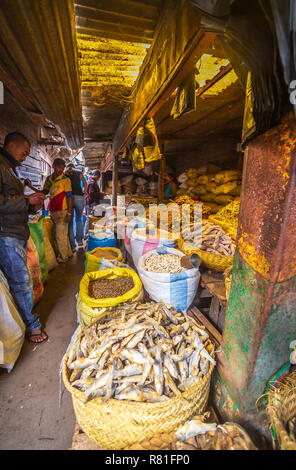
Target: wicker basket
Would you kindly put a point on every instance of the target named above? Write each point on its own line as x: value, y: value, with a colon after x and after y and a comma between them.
x: 228, y: 228
x: 281, y: 408
x: 213, y: 261
x: 116, y: 424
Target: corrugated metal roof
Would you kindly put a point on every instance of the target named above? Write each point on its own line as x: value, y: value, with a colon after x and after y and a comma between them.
x: 113, y: 38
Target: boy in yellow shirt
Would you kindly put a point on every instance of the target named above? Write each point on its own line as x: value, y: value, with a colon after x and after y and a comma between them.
x: 58, y: 187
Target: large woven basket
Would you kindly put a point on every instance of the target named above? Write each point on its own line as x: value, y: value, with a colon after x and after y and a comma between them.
x: 213, y: 261
x: 228, y: 228
x: 116, y: 424
x: 281, y: 408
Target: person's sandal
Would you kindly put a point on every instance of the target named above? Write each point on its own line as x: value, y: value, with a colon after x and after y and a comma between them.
x: 30, y: 336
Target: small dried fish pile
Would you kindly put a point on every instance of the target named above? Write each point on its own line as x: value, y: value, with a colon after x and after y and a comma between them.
x: 213, y: 239
x: 164, y: 264
x: 109, y: 288
x: 228, y: 436
x: 143, y: 352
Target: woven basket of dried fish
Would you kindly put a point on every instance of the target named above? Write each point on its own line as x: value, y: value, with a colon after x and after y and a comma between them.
x: 215, y: 248
x: 210, y: 260
x: 144, y: 370
x: 281, y: 411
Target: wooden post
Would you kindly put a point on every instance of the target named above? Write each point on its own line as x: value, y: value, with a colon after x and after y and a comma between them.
x: 161, y: 173
x: 115, y: 181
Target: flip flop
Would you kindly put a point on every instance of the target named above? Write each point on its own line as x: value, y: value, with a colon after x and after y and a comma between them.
x: 37, y: 342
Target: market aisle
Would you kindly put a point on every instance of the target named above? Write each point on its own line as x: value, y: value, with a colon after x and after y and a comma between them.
x: 30, y: 416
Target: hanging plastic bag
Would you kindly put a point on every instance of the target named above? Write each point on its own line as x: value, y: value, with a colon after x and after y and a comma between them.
x: 185, y: 101
x: 12, y: 328
x: 147, y: 140
x: 137, y: 155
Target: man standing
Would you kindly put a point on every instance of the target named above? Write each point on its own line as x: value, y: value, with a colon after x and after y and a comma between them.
x: 59, y: 188
x: 14, y: 231
x: 78, y: 182
x: 93, y: 194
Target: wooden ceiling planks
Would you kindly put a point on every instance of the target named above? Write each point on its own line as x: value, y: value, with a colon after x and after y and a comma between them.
x: 126, y: 20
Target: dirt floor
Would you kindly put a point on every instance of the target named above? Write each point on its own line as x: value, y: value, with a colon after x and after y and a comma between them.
x: 30, y: 415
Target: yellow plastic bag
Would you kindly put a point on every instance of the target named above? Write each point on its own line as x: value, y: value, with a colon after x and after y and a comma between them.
x: 199, y: 190
x: 226, y: 188
x: 209, y: 197
x: 223, y: 200
x: 210, y: 187
x: 228, y: 175
x: 90, y: 309
x: 205, y: 179
x: 94, y: 257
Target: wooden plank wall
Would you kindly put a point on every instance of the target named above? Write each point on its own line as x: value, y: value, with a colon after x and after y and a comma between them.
x: 12, y: 118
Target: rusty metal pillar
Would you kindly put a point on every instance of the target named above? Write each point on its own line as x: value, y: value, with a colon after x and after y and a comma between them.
x: 261, y: 316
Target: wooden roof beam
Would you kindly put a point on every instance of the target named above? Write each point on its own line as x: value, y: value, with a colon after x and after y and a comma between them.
x: 139, y: 29
x: 114, y: 17
x: 178, y: 45
x: 113, y: 35
x: 127, y: 8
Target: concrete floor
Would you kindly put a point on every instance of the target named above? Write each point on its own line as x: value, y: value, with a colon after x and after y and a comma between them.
x: 30, y: 416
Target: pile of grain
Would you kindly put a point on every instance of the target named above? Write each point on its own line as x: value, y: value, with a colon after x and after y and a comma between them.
x: 164, y: 264
x: 110, y: 288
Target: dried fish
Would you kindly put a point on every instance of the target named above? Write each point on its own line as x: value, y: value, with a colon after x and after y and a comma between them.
x: 141, y: 352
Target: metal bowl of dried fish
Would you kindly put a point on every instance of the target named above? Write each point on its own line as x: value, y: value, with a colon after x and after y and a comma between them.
x: 141, y: 370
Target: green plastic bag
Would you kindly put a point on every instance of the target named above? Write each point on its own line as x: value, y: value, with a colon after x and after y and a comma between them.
x: 36, y: 231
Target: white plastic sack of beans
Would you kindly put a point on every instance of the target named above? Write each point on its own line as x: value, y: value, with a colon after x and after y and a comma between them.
x: 141, y: 242
x: 172, y: 289
x: 12, y: 328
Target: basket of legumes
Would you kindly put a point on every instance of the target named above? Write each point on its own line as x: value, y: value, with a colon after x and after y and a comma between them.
x: 101, y: 291
x: 166, y: 280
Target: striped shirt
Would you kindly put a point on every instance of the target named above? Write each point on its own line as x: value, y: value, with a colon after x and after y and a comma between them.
x: 59, y: 190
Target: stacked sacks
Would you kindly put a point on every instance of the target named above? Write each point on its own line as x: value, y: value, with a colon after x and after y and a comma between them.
x: 128, y: 186
x: 215, y: 188
x: 142, y: 187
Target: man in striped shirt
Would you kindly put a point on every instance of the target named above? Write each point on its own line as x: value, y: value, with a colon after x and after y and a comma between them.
x: 58, y: 187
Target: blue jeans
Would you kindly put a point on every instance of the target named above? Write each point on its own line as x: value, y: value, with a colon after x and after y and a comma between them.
x: 13, y: 263
x: 78, y: 206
